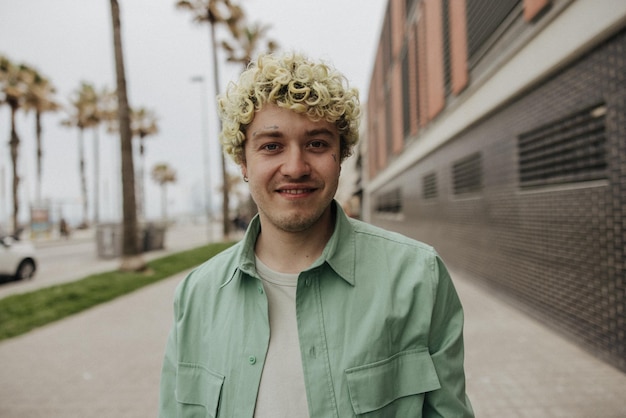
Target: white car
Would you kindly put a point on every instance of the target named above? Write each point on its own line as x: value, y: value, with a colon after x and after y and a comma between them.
x: 17, y: 258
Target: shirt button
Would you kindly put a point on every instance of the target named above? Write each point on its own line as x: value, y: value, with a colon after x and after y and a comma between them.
x: 260, y: 290
x: 252, y: 360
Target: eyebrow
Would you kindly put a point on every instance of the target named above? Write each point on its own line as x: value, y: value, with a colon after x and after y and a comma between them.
x: 320, y: 131
x: 266, y: 130
x: 275, y: 132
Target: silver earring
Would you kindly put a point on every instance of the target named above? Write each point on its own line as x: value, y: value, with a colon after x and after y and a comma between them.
x: 245, y: 179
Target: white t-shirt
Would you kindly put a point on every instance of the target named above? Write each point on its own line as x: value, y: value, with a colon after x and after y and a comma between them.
x: 281, y: 392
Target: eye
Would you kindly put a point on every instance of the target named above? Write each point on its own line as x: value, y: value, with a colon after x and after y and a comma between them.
x: 318, y: 144
x: 270, y: 147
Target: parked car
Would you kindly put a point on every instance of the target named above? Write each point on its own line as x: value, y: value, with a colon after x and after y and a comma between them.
x: 17, y: 258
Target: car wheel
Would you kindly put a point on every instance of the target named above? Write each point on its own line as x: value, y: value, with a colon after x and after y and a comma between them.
x: 26, y: 270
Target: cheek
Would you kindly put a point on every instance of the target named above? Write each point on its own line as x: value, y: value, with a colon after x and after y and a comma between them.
x: 336, y: 163
x: 331, y: 174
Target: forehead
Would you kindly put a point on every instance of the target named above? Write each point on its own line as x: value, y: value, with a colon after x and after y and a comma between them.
x: 274, y: 119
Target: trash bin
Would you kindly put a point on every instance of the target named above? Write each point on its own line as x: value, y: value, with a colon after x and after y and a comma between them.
x: 109, y: 240
x: 109, y: 236
x: 153, y: 237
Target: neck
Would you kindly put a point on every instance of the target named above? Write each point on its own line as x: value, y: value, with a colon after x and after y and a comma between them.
x: 293, y: 252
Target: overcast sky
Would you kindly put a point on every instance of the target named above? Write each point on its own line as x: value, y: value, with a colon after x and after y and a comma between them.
x: 70, y: 41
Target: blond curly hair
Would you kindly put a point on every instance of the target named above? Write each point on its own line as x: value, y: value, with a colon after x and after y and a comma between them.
x: 294, y: 82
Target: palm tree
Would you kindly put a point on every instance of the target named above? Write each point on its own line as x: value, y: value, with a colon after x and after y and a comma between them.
x: 215, y: 12
x: 162, y: 174
x: 143, y: 123
x: 14, y: 81
x: 40, y: 98
x: 105, y: 111
x: 247, y: 39
x: 85, y: 114
x: 131, y: 252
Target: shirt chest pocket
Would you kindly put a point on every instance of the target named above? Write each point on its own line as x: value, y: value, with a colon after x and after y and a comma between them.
x: 394, y: 386
x: 198, y: 391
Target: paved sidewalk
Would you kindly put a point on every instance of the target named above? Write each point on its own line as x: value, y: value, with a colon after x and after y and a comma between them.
x: 102, y: 363
x: 105, y: 362
x: 517, y: 367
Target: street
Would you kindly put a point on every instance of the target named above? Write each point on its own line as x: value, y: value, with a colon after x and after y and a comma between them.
x: 60, y: 261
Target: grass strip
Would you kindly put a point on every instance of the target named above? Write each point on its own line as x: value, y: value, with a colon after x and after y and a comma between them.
x: 23, y: 312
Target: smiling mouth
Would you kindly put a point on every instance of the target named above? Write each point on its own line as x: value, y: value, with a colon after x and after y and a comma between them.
x: 296, y: 191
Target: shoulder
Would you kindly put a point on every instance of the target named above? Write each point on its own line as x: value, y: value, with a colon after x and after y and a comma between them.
x: 380, y: 252
x: 221, y: 262
x: 210, y: 275
x: 373, y: 235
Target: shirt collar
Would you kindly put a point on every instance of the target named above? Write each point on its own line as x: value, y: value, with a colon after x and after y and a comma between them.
x: 339, y: 252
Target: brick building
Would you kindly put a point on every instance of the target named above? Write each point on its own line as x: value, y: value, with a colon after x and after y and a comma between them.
x: 496, y: 132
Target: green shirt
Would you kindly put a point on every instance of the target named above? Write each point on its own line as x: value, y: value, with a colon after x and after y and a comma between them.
x: 379, y: 322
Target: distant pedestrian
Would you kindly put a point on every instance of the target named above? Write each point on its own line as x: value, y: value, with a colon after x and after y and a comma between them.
x: 313, y: 313
x: 64, y: 229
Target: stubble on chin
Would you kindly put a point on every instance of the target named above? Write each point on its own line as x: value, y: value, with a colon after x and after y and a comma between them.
x: 293, y: 222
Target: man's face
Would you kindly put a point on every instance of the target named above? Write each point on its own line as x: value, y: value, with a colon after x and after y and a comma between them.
x: 292, y: 164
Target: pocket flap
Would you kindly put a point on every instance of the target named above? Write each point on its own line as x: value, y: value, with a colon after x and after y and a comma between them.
x: 197, y: 385
x: 375, y: 385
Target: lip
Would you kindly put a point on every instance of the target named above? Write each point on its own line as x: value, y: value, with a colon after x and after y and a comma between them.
x: 293, y: 191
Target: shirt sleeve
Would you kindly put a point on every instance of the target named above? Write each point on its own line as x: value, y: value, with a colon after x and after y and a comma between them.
x: 446, y: 350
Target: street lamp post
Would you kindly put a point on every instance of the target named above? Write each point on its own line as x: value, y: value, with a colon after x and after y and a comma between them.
x: 205, y: 154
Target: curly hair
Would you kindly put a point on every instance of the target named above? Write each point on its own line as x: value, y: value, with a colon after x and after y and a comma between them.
x: 292, y: 82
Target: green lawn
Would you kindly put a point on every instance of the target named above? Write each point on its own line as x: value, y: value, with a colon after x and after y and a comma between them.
x: 23, y: 312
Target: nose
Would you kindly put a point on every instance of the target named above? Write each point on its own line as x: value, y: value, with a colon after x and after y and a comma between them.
x: 295, y: 164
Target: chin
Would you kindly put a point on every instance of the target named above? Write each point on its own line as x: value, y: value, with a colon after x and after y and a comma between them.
x: 297, y: 222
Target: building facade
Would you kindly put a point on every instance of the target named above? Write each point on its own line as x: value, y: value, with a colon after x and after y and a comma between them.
x: 496, y: 132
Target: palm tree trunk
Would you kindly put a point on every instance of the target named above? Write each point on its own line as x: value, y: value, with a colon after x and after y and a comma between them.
x: 225, y: 191
x: 164, y: 203
x: 131, y: 253
x: 83, y: 177
x: 96, y: 176
x: 141, y: 209
x: 39, y: 155
x: 14, y: 144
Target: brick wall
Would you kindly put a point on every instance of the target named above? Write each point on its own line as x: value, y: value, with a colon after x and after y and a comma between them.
x: 558, y: 250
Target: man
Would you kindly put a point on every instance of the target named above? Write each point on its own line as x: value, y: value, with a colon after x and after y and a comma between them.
x: 312, y: 314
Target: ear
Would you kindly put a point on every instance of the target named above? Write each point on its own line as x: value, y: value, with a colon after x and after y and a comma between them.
x: 244, y: 170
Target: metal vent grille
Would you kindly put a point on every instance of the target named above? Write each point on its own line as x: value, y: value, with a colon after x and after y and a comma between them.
x: 447, y: 75
x: 429, y: 186
x: 467, y: 174
x: 408, y: 5
x: 483, y: 19
x: 406, y: 94
x: 390, y: 202
x: 569, y: 150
